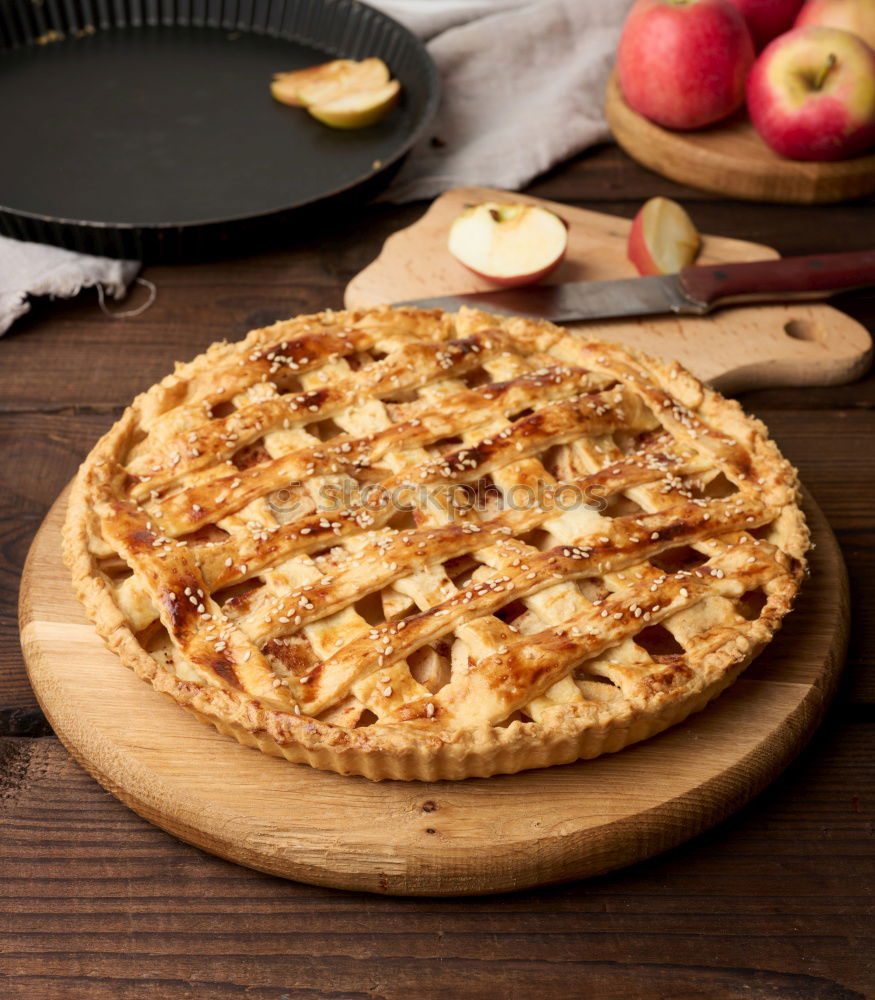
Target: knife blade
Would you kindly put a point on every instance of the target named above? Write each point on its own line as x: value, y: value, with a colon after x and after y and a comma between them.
x: 693, y: 291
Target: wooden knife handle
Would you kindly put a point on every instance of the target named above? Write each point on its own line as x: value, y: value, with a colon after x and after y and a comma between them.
x: 786, y: 278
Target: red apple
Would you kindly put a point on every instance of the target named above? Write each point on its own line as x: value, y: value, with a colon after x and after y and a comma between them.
x: 682, y: 63
x: 811, y: 94
x: 663, y: 238
x: 768, y: 18
x: 856, y: 16
x: 508, y: 244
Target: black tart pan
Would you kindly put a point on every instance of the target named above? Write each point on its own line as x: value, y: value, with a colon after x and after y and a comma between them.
x: 145, y: 128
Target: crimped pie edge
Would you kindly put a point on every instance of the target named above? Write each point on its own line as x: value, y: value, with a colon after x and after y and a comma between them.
x: 573, y: 731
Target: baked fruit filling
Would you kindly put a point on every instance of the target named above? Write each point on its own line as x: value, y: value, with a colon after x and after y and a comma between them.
x: 420, y: 545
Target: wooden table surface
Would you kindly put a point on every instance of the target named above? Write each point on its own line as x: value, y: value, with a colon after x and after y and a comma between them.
x: 776, y: 902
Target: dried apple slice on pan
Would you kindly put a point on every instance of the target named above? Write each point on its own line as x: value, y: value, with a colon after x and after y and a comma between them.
x: 359, y: 76
x: 358, y: 109
x: 287, y: 87
x: 343, y: 93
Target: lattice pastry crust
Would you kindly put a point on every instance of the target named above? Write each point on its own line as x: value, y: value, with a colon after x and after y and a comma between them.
x: 409, y: 544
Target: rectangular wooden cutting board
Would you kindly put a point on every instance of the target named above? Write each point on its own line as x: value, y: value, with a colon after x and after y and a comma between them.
x: 740, y: 348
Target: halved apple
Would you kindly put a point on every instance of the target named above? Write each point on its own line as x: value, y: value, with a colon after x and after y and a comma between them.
x: 508, y: 244
x: 328, y: 81
x: 662, y: 239
x: 359, y: 108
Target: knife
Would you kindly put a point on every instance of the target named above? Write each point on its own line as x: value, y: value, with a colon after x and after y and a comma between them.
x: 692, y: 291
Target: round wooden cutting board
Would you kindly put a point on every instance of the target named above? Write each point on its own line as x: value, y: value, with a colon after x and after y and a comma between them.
x: 731, y: 159
x: 447, y: 838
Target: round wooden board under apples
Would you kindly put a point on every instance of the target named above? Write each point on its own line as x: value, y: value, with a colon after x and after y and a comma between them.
x: 731, y: 159
x: 446, y: 838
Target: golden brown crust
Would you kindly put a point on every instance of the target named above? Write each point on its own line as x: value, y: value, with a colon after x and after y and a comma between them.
x: 230, y: 536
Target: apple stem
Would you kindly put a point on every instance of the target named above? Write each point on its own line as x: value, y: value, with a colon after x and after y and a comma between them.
x: 820, y: 79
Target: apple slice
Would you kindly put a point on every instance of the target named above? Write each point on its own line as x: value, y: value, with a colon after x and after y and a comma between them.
x: 508, y: 244
x: 358, y: 108
x: 286, y: 86
x: 662, y: 239
x: 328, y: 81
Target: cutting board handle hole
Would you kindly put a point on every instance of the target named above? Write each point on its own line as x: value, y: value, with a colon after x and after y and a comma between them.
x: 804, y: 329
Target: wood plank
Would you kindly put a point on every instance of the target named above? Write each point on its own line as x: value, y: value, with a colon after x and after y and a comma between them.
x: 774, y: 902
x: 41, y: 453
x: 97, y: 365
x: 606, y: 174
x: 91, y: 361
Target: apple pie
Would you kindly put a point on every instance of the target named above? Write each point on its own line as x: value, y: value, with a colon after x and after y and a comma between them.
x: 410, y: 544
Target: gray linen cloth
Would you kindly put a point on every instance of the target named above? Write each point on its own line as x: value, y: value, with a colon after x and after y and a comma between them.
x: 523, y: 87
x: 28, y: 269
